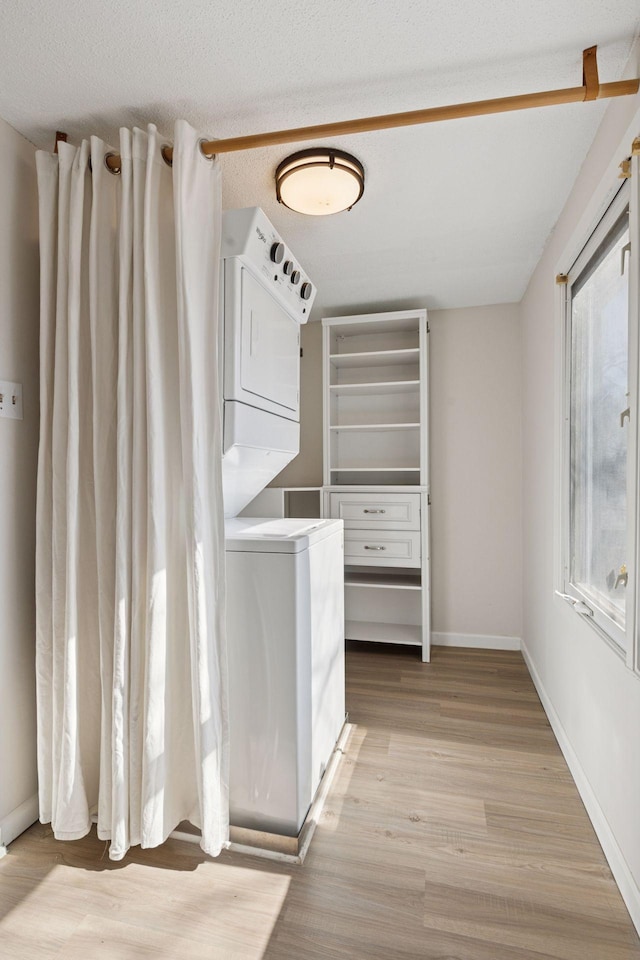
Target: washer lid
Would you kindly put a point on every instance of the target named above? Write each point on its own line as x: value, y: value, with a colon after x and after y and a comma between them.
x: 249, y: 535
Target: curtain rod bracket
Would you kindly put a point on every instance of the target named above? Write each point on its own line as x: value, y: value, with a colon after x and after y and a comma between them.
x: 60, y: 138
x: 590, y: 80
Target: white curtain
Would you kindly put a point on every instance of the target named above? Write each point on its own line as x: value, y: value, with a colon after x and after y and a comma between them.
x: 131, y: 657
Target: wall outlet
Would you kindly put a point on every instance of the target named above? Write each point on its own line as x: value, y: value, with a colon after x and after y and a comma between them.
x: 10, y: 400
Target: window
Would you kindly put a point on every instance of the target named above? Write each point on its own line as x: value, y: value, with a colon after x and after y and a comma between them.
x: 599, y: 502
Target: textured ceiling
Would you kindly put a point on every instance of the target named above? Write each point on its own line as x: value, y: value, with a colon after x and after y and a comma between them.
x: 453, y: 214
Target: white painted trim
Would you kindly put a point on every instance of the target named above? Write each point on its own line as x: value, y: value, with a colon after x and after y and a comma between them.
x: 425, y: 510
x: 418, y: 313
x: 425, y: 576
x: 599, y: 619
x: 477, y: 641
x: 619, y: 868
x: 633, y: 456
x: 18, y: 821
x: 326, y: 406
x: 601, y: 198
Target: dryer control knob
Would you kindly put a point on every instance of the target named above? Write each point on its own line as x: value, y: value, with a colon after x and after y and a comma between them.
x: 277, y: 252
x: 305, y: 291
x: 287, y: 267
x: 295, y: 277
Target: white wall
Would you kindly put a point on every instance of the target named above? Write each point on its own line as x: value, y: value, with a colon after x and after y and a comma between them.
x: 475, y: 436
x: 591, y: 697
x: 306, y: 469
x: 18, y: 457
x: 476, y: 520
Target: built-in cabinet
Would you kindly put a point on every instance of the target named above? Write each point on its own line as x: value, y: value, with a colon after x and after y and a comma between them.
x: 376, y: 470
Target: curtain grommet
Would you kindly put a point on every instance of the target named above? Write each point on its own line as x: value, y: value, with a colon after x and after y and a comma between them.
x: 115, y: 170
x: 165, y: 154
x: 207, y: 156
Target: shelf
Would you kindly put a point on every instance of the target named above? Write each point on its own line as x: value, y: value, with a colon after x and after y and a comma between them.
x: 405, y: 633
x: 365, y: 487
x: 298, y: 489
x: 376, y: 422
x: 363, y: 389
x: 376, y: 358
x: 404, y: 581
x: 375, y: 469
x: 375, y: 426
x: 405, y: 321
x: 376, y: 477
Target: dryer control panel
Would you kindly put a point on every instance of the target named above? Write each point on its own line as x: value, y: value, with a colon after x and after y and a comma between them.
x: 249, y: 235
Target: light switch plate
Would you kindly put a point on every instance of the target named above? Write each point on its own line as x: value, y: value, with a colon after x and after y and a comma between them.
x: 10, y: 400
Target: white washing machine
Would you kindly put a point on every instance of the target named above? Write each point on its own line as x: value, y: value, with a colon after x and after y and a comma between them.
x: 285, y: 627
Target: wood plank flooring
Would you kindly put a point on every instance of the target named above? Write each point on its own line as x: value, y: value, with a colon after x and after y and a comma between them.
x: 453, y: 831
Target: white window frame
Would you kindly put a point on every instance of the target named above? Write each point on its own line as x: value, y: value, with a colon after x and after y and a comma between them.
x: 623, y: 641
x: 633, y: 636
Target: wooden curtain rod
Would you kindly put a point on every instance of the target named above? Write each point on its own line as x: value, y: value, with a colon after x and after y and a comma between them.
x: 590, y: 89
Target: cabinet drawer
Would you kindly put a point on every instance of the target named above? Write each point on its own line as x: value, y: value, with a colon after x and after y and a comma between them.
x: 382, y: 548
x: 384, y: 511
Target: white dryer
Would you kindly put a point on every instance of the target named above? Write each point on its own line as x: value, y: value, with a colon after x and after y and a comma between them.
x: 266, y: 295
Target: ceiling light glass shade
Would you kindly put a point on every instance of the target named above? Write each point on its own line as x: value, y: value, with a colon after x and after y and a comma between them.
x: 319, y: 181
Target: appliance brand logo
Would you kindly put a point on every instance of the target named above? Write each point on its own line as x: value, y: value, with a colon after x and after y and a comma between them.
x: 261, y: 234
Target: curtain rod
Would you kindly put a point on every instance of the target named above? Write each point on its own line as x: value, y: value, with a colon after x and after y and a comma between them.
x: 591, y: 89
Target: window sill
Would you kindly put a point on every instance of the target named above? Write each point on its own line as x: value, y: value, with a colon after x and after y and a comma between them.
x: 579, y: 608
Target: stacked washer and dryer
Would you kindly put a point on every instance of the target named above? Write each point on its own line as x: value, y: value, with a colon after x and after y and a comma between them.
x: 285, y: 592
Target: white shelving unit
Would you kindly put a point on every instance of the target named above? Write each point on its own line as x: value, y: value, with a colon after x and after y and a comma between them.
x: 376, y: 470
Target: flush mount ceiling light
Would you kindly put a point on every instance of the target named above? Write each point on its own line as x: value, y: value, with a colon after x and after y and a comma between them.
x: 319, y: 181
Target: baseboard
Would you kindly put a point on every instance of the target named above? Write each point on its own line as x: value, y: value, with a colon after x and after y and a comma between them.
x: 615, y: 857
x: 18, y: 821
x: 477, y: 641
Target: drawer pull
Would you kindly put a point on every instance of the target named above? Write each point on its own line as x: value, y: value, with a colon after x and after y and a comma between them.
x: 374, y: 548
x: 373, y: 511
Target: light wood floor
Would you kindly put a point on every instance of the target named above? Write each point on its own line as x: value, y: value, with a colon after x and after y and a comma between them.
x: 453, y: 831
